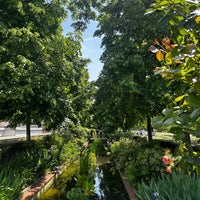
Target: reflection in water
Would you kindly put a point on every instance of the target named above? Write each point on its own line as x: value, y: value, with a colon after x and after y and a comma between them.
x: 98, y: 178
x: 108, y: 184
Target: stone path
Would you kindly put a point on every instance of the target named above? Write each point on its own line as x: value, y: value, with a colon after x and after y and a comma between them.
x: 31, y: 192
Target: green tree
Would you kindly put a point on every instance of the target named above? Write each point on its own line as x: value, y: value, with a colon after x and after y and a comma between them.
x: 82, y: 11
x: 127, y: 88
x: 38, y: 64
x: 179, y: 57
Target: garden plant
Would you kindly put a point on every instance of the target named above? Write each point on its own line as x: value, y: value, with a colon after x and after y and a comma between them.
x: 34, y: 160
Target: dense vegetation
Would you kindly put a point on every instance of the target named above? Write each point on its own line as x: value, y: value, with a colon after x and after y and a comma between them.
x: 151, y: 70
x: 28, y: 162
x: 43, y: 76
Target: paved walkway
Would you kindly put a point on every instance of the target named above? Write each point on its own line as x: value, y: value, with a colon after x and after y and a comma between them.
x: 20, y: 136
x: 31, y: 192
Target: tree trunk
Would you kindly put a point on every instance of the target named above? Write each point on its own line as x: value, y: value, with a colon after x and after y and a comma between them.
x: 187, y: 138
x: 28, y: 131
x: 149, y: 129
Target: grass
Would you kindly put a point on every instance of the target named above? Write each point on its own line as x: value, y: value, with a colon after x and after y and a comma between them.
x: 164, y: 136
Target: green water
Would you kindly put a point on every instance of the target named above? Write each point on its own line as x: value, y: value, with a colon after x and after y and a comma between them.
x: 107, y: 183
x: 64, y: 183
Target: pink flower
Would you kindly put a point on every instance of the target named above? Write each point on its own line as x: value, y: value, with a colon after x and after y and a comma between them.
x: 166, y: 159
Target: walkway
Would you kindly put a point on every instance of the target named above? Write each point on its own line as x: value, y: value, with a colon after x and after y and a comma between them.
x: 21, y: 136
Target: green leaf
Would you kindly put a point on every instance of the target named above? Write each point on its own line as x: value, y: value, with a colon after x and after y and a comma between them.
x: 150, y: 11
x: 183, y: 32
x: 194, y: 101
x: 169, y: 121
x: 179, y: 98
x: 163, y: 3
x: 157, y: 121
x: 180, y: 39
x: 195, y: 113
x: 166, y: 112
x: 180, y: 18
x: 176, y: 130
x: 196, y: 132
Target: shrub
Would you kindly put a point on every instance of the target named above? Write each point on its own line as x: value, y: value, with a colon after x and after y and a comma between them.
x: 116, y: 135
x: 146, y: 165
x: 33, y: 159
x: 124, y: 151
x: 98, y: 147
x: 76, y: 193
x: 12, y: 183
x: 140, y: 160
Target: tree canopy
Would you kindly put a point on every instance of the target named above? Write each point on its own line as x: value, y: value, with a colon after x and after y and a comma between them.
x: 42, y: 71
x: 127, y: 89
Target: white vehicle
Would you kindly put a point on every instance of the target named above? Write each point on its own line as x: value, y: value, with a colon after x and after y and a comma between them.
x: 141, y: 132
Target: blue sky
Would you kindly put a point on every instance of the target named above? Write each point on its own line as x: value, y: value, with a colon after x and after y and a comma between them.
x: 90, y: 47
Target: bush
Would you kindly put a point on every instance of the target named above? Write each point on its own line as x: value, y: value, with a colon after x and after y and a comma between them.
x: 146, y: 164
x: 116, y: 135
x: 33, y: 159
x: 174, y: 186
x: 124, y: 151
x: 140, y: 160
x: 75, y: 194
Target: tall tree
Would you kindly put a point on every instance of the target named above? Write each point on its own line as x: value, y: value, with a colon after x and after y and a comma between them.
x: 38, y: 64
x: 127, y: 89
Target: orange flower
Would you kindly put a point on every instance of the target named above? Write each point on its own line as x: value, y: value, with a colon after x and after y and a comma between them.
x: 168, y: 170
x: 167, y: 151
x: 166, y: 41
x: 156, y: 41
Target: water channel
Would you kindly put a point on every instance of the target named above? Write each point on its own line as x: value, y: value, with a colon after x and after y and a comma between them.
x: 107, y: 184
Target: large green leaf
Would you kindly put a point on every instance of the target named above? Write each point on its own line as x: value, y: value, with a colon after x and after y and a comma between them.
x: 167, y: 112
x: 176, y: 130
x: 195, y: 113
x: 196, y: 132
x: 169, y: 121
x: 194, y: 101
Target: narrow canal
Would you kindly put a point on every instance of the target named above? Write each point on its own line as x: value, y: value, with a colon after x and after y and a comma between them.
x: 107, y: 184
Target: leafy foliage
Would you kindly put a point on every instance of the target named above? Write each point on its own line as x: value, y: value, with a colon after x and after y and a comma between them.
x: 141, y: 160
x: 42, y: 72
x: 179, y: 64
x: 33, y: 160
x: 76, y: 193
x: 127, y: 91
